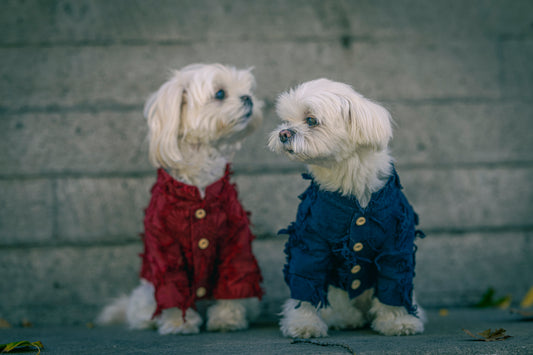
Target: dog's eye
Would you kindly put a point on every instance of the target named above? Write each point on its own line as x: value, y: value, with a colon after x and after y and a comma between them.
x: 311, y: 121
x: 220, y: 95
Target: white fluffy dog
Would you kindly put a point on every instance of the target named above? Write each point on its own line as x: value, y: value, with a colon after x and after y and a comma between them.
x: 197, y: 120
x: 350, y: 253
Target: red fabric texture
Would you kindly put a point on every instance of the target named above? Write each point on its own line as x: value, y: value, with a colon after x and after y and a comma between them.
x: 174, y: 234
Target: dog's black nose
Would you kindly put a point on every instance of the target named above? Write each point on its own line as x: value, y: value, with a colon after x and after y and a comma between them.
x: 247, y: 101
x: 285, y: 135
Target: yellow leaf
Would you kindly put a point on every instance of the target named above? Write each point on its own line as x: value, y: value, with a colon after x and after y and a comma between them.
x: 20, y: 345
x: 505, y: 302
x: 528, y: 299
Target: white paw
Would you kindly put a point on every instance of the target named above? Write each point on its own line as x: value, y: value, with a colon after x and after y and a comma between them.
x: 303, y: 321
x: 226, y: 316
x: 391, y: 320
x: 342, y: 312
x: 171, y: 322
x: 403, y: 325
x: 141, y: 307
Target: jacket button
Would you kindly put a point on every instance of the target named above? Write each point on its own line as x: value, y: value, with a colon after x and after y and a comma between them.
x: 200, y: 292
x: 203, y: 243
x: 356, y: 284
x: 360, y: 221
x: 356, y: 269
x: 358, y: 247
x: 200, y: 213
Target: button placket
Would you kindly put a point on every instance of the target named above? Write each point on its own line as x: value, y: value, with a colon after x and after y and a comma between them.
x: 356, y: 284
x: 200, y: 213
x: 203, y: 243
x: 358, y: 247
x: 356, y: 269
x: 200, y: 292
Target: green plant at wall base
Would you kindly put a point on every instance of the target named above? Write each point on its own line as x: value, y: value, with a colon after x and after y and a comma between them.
x: 20, y: 345
x: 488, y: 300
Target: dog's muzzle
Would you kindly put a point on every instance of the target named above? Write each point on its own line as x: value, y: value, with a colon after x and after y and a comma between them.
x: 247, y: 101
x: 248, y: 105
x: 285, y: 135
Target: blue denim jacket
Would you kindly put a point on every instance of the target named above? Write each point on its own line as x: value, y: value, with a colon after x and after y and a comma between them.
x: 334, y: 241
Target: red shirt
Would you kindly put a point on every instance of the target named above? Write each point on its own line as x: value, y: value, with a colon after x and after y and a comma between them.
x: 197, y: 248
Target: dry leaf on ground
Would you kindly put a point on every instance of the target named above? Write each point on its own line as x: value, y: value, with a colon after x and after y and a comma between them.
x: 21, y: 346
x: 489, y: 335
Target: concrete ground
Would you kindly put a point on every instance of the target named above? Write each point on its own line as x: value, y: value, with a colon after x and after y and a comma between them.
x: 443, y: 335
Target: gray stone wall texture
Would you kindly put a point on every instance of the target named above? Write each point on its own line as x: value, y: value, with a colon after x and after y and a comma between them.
x: 74, y: 175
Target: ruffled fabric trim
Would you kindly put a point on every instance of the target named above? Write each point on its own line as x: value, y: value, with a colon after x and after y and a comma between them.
x: 171, y: 263
x: 399, y: 291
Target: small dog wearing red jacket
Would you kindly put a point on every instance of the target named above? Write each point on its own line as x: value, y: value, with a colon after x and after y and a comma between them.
x: 197, y: 240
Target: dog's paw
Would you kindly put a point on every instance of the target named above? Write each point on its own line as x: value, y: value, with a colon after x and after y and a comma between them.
x: 141, y: 306
x: 226, y: 316
x: 342, y: 312
x: 171, y: 322
x: 301, y: 320
x: 403, y: 325
x: 391, y: 320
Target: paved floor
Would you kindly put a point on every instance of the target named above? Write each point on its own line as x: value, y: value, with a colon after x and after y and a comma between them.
x: 443, y: 335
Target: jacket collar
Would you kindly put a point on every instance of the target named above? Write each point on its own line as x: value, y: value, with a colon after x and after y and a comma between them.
x: 184, y: 191
x: 350, y: 201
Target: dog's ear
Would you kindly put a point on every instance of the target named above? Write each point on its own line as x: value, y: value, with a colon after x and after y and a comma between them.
x: 370, y: 123
x: 163, y: 111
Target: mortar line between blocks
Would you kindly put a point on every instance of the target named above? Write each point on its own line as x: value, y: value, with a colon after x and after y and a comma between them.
x: 265, y: 238
x: 265, y: 170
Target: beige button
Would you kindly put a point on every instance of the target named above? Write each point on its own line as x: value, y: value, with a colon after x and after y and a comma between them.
x: 201, y: 291
x: 356, y: 284
x: 360, y: 221
x: 358, y: 247
x: 356, y: 269
x: 200, y: 213
x: 203, y: 243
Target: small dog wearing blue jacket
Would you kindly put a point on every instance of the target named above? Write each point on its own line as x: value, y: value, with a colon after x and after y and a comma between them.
x: 350, y: 252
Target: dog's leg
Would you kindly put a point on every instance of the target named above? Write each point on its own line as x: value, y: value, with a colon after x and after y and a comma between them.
x: 171, y: 322
x: 392, y: 320
x: 141, y: 307
x: 301, y: 320
x: 231, y: 315
x: 342, y: 312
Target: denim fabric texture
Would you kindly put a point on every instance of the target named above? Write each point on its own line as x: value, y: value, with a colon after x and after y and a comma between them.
x: 334, y: 241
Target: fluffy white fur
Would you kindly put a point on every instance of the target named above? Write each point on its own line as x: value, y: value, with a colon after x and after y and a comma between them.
x: 193, y: 134
x: 345, y: 147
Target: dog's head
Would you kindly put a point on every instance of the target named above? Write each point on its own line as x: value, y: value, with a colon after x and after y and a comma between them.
x: 201, y: 104
x: 326, y: 121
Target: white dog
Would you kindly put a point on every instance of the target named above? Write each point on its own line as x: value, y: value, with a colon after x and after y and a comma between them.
x: 197, y: 239
x: 350, y: 253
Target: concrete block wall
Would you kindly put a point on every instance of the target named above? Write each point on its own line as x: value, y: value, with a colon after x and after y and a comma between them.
x: 74, y: 174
